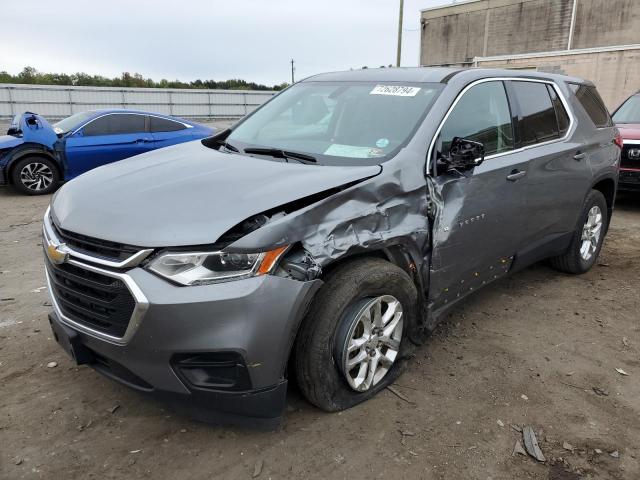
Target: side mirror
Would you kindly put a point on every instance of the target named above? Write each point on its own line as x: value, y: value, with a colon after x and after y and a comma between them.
x: 464, y: 154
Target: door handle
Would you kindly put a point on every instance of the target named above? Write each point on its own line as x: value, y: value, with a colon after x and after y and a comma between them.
x: 579, y: 156
x: 516, y: 175
x: 143, y: 140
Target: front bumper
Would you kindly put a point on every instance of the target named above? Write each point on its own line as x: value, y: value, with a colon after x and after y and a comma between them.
x: 629, y: 179
x: 254, y: 320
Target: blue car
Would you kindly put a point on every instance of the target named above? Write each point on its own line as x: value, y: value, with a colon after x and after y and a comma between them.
x: 36, y: 156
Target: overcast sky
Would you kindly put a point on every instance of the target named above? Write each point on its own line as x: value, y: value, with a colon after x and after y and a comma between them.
x: 207, y: 39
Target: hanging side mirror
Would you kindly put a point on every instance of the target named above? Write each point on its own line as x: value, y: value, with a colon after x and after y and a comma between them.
x: 464, y: 154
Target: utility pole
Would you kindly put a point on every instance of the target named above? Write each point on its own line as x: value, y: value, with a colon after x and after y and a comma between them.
x: 400, y: 33
x: 292, y: 70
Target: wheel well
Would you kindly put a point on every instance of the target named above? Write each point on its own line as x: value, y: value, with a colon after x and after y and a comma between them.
x: 15, y: 160
x: 608, y: 188
x: 395, y: 254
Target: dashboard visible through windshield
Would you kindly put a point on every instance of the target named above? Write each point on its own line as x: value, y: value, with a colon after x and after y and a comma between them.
x: 338, y: 123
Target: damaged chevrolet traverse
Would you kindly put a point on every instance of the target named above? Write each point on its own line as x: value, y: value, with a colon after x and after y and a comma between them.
x: 323, y: 236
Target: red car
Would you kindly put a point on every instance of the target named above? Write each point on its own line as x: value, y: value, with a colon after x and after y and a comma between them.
x: 627, y: 119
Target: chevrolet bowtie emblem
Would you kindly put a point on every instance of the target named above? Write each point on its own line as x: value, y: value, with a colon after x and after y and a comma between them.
x: 57, y: 253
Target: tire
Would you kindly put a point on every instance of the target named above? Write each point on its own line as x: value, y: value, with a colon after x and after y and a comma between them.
x: 575, y: 260
x: 35, y: 175
x: 320, y: 355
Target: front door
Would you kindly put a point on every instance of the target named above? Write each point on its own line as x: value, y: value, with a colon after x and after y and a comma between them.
x: 479, y: 213
x: 106, y: 139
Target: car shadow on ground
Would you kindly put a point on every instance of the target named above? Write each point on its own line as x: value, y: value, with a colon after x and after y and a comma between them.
x: 628, y: 201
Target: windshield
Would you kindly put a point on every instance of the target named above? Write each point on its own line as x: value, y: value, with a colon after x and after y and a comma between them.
x: 629, y: 112
x: 339, y: 123
x: 71, y: 123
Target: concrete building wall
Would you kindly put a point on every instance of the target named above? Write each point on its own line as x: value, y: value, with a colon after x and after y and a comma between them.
x: 606, y: 22
x: 476, y: 31
x: 481, y: 28
x: 615, y: 73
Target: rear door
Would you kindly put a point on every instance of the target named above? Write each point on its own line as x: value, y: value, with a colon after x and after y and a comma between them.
x: 167, y: 132
x: 558, y: 173
x: 480, y: 213
x: 106, y: 139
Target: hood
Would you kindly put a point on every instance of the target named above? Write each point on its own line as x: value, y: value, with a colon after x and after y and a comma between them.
x: 9, y: 141
x: 629, y: 131
x: 187, y: 194
x: 33, y: 128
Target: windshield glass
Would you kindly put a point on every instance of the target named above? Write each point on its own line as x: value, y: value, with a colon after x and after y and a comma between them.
x: 71, y: 123
x: 339, y: 123
x: 629, y: 112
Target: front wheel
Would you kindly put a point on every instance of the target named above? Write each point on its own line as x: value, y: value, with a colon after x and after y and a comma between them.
x: 587, y: 238
x: 35, y: 175
x: 355, y: 339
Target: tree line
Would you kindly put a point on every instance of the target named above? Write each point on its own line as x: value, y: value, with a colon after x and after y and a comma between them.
x: 30, y: 75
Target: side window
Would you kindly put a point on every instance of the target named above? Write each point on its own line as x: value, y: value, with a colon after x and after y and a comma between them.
x: 121, y: 124
x: 481, y: 115
x: 100, y: 126
x: 561, y: 114
x: 538, y: 123
x: 590, y: 99
x: 114, y: 125
x: 163, y: 125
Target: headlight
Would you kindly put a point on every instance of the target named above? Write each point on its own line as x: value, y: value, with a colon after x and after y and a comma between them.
x: 202, y: 268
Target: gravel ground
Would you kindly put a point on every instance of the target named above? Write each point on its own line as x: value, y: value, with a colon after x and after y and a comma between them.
x: 528, y: 350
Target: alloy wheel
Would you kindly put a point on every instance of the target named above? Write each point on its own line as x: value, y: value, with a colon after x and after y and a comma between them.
x: 36, y: 176
x: 373, y: 342
x: 591, y: 232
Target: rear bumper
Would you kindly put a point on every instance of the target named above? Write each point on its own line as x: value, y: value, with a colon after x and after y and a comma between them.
x: 629, y: 180
x: 237, y: 334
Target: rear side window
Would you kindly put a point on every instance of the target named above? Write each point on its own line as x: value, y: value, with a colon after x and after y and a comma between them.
x: 561, y: 114
x: 115, y: 125
x: 590, y: 99
x: 538, y: 121
x: 163, y: 125
x: 482, y: 114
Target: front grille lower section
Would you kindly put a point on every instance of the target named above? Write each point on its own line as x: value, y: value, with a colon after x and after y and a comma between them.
x: 95, y: 246
x: 626, y: 160
x: 97, y: 301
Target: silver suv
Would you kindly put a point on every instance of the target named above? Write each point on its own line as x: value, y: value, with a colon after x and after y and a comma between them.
x: 323, y: 236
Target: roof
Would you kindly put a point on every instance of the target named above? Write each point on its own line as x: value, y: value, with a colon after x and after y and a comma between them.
x: 99, y: 111
x: 407, y: 74
x: 432, y: 74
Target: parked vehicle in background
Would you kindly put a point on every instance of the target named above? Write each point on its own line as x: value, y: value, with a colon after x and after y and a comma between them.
x: 627, y: 118
x: 324, y: 234
x: 36, y: 156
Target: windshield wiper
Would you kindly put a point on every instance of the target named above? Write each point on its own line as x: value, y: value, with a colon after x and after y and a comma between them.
x: 284, y: 154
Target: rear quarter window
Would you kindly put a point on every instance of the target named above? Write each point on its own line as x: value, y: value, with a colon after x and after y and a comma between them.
x: 591, y: 101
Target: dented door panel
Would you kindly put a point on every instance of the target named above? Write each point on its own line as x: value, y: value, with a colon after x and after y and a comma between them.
x: 478, y: 220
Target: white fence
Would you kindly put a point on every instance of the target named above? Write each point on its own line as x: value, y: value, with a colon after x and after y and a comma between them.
x: 54, y: 102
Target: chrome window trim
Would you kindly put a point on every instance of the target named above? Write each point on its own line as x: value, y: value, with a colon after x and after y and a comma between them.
x: 564, y: 101
x: 128, y: 113
x: 630, y: 142
x: 52, y: 239
x: 142, y: 305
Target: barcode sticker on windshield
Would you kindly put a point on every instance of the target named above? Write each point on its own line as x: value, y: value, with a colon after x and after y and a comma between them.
x: 396, y: 90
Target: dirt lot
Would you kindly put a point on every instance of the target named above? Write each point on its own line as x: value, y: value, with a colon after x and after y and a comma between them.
x: 526, y: 351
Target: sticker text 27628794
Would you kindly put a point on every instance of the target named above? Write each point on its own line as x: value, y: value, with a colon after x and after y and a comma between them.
x: 396, y: 90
